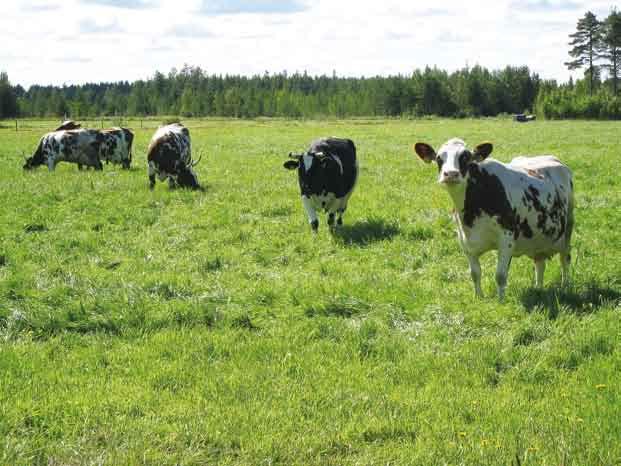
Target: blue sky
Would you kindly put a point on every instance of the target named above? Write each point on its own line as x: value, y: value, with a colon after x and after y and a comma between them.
x: 77, y: 41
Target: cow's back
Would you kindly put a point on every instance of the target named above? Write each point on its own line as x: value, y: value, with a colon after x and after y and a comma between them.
x: 539, y: 194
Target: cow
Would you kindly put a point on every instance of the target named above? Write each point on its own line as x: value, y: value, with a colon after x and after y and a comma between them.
x: 524, y: 207
x: 116, y: 146
x: 169, y: 156
x: 80, y: 146
x: 327, y: 175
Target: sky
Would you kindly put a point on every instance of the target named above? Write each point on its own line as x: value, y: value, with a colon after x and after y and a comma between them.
x: 77, y: 41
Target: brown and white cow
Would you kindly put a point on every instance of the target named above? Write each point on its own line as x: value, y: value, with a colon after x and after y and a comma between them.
x: 80, y: 146
x: 116, y: 146
x: 524, y: 207
x: 169, y: 156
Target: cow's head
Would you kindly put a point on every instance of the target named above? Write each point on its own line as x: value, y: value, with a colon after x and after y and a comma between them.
x: 36, y: 160
x: 453, y: 159
x: 186, y: 176
x: 313, y: 170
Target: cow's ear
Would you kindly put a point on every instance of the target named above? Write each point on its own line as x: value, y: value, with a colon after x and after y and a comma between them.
x: 425, y: 152
x: 291, y: 164
x: 482, y: 151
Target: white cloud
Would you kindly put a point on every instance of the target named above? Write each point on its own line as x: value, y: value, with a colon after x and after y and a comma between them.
x: 76, y: 41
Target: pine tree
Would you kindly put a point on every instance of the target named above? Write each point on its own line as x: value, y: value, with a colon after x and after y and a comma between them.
x: 610, y: 49
x: 585, y: 43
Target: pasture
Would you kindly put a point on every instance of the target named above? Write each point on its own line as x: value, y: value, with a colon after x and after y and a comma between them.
x: 177, y: 327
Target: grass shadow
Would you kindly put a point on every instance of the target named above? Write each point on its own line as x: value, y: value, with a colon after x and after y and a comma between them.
x: 366, y: 232
x: 576, y: 300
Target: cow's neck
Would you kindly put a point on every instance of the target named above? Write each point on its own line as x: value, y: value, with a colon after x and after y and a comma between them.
x: 458, y: 196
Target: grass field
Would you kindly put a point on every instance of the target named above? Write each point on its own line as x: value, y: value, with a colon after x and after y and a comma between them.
x: 174, y: 327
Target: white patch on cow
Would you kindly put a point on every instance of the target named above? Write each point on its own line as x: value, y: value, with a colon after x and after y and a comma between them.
x: 309, y: 208
x: 449, y: 154
x: 308, y: 162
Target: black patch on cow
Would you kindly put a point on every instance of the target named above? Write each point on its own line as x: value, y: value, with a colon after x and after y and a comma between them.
x: 464, y: 161
x: 315, y: 225
x: 486, y: 194
x: 325, y: 175
x: 555, y: 215
x: 522, y: 228
x: 440, y: 162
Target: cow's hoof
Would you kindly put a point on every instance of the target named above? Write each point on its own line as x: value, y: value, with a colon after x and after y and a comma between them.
x: 315, y: 226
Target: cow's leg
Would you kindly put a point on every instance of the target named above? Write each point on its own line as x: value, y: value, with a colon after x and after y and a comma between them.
x: 172, y: 184
x: 331, y: 217
x: 80, y: 167
x: 310, y: 212
x: 475, y: 273
x: 151, y: 172
x: 51, y: 164
x: 505, y: 252
x: 98, y: 165
x: 339, y: 220
x: 540, y: 268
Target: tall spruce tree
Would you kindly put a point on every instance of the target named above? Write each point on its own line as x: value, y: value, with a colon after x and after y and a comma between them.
x: 610, y: 48
x: 585, y: 43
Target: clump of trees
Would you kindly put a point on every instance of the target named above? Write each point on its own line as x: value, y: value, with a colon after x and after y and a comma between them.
x: 596, y: 48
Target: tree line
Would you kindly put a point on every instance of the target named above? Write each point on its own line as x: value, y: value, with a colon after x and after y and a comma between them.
x: 191, y: 91
x: 476, y: 91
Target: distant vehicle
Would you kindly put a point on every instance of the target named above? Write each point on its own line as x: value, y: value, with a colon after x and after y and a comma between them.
x: 522, y: 118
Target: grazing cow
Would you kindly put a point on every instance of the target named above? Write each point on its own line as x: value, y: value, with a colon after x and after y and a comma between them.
x: 327, y: 174
x: 524, y: 207
x: 169, y: 156
x: 80, y: 146
x: 116, y: 146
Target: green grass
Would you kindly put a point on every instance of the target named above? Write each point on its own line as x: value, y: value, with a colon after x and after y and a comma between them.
x: 174, y: 327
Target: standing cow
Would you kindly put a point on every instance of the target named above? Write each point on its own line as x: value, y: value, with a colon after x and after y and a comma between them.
x: 116, y: 146
x: 524, y: 207
x: 80, y: 146
x: 169, y: 156
x: 327, y: 174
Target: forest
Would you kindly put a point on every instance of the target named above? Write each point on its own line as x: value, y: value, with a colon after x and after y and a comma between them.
x: 469, y: 92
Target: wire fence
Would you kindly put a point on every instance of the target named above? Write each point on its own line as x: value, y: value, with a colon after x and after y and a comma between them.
x: 133, y: 123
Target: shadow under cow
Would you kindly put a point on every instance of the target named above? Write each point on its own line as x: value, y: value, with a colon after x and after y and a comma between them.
x: 366, y: 232
x: 585, y: 299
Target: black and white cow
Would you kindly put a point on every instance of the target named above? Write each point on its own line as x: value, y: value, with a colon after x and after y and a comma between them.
x: 524, y: 207
x: 116, y: 146
x: 327, y: 174
x: 169, y: 156
x: 80, y: 146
